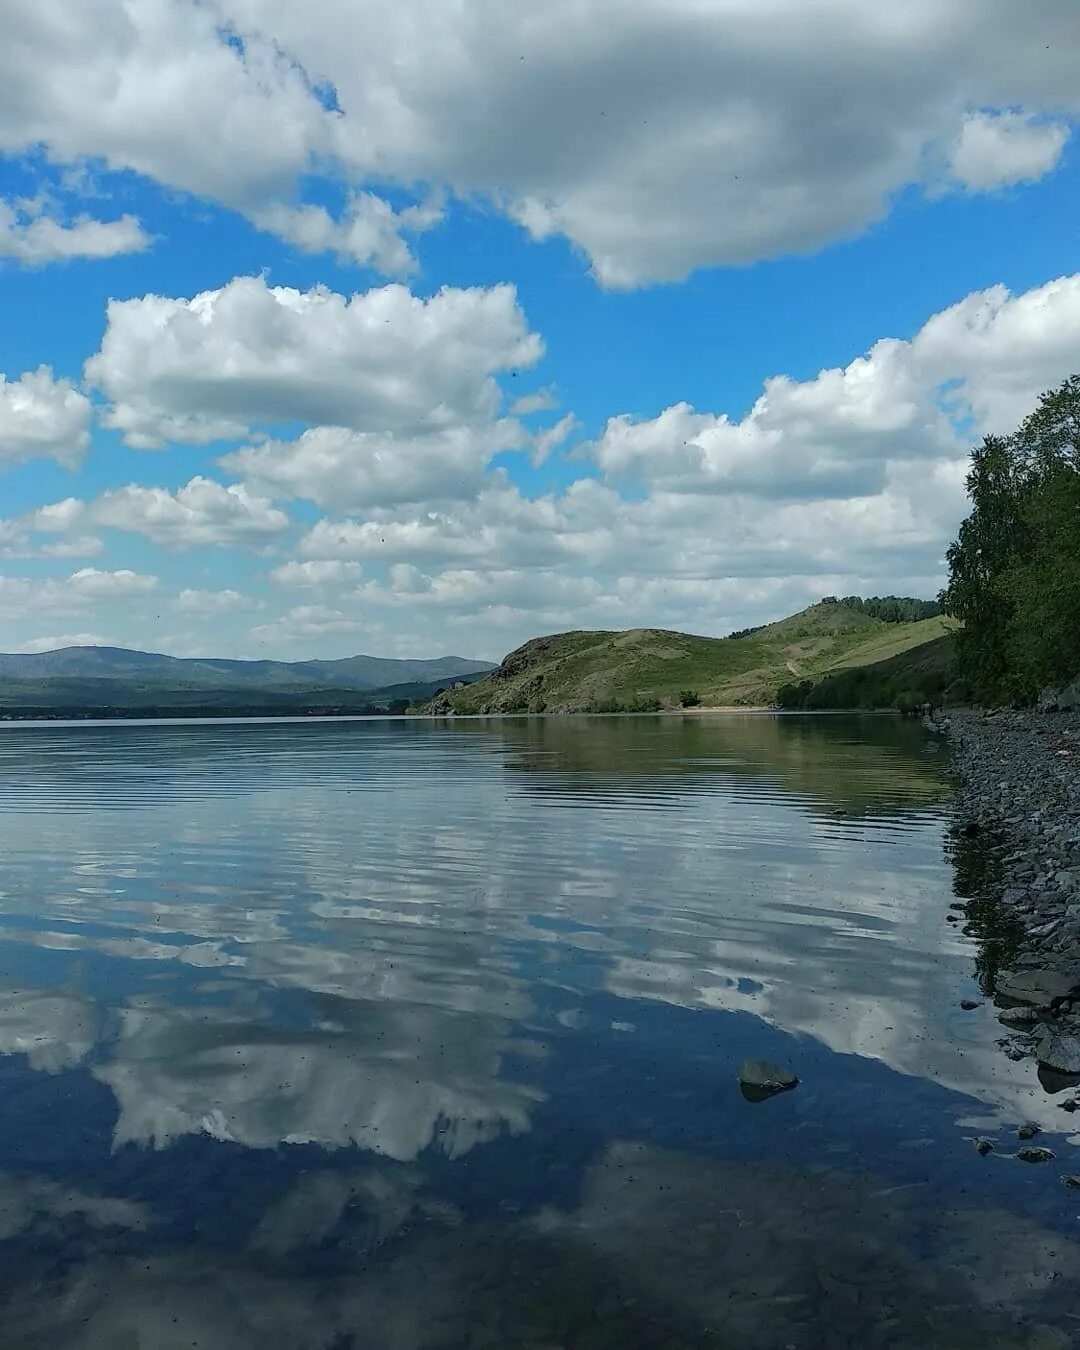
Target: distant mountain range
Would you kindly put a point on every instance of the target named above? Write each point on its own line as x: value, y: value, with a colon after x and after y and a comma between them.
x: 114, y: 679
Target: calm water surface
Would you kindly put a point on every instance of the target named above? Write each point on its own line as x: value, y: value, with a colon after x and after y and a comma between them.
x: 395, y: 1034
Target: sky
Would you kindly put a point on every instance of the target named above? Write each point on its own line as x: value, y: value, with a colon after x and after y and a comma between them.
x: 411, y: 328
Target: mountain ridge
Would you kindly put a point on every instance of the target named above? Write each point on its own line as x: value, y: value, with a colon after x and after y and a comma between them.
x: 359, y: 672
x: 649, y: 669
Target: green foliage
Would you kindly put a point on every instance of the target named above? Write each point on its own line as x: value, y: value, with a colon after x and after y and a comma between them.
x: 906, y: 681
x: 889, y: 608
x: 1014, y: 570
x: 690, y: 698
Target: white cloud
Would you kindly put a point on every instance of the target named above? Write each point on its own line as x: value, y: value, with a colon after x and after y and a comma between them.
x: 58, y: 518
x: 345, y: 470
x: 303, y: 623
x: 42, y: 417
x: 850, y: 481
x: 34, y: 238
x: 60, y: 640
x: 997, y: 149
x: 552, y: 437
x: 315, y: 572
x: 978, y: 365
x: 543, y: 400
x: 200, y: 512
x: 25, y: 598
x: 209, y: 603
x: 383, y: 361
x: 657, y: 137
x: 368, y: 232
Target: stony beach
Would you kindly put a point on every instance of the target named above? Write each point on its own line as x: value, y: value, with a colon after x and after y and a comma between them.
x: 1018, y: 802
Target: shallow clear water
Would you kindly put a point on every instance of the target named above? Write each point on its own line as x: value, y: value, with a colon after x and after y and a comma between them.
x: 404, y: 1034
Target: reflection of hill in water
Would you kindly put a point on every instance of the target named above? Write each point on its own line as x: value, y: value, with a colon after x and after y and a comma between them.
x: 862, y: 764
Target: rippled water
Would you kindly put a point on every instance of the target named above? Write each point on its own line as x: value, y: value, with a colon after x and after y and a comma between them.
x: 400, y: 1034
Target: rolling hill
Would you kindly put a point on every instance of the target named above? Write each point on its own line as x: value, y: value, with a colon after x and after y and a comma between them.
x: 114, y: 680
x: 651, y: 668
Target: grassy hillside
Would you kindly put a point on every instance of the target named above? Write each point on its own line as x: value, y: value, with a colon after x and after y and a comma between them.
x: 652, y: 668
x: 906, y: 679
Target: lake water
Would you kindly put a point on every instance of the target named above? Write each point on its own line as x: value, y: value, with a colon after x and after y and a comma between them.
x: 401, y: 1034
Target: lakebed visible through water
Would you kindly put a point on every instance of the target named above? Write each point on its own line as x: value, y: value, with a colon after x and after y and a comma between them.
x: 410, y: 1034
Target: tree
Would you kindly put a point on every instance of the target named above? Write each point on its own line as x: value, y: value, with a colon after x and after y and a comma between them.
x: 1014, y: 570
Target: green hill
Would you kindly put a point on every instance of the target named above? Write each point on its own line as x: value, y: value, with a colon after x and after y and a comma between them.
x: 647, y: 668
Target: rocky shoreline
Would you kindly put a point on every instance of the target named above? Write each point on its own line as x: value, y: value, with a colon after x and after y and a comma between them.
x: 1018, y: 803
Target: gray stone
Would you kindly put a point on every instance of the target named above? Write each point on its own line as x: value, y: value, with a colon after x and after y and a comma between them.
x: 1018, y: 1017
x: 1073, y: 1182
x: 1058, y: 1049
x: 1028, y: 1131
x: 969, y: 1004
x: 1033, y: 1153
x: 1037, y: 987
x: 765, y: 1076
x: 983, y: 1147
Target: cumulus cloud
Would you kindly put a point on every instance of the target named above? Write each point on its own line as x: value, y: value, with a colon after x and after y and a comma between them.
x: 18, y: 534
x: 345, y: 470
x: 33, y: 238
x: 307, y: 622
x: 200, y: 512
x: 25, y: 597
x: 369, y: 231
x: 851, y: 480
x: 208, y: 603
x: 56, y: 641
x: 315, y: 573
x: 383, y: 361
x: 42, y: 417
x: 974, y: 367
x: 657, y: 138
x: 997, y: 149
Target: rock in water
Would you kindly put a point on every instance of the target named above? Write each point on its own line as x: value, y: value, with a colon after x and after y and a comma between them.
x: 760, y: 1078
x: 969, y: 1004
x: 983, y: 1147
x: 1073, y: 1182
x: 1058, y: 1050
x: 1038, y: 987
x: 1028, y: 1131
x: 1034, y: 1154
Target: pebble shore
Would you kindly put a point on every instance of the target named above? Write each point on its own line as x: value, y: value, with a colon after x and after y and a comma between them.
x: 1018, y: 801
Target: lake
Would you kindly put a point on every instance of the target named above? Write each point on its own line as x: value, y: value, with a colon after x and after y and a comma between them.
x: 401, y: 1034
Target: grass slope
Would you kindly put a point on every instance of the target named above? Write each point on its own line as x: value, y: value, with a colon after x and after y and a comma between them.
x: 643, y: 668
x: 903, y: 680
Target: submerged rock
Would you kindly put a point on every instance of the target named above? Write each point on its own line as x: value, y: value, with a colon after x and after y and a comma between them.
x: 1033, y: 1153
x: 983, y: 1147
x: 761, y: 1078
x: 1028, y: 1131
x: 1072, y: 1181
x: 969, y: 1004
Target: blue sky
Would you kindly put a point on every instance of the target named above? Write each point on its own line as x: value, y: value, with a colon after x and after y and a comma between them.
x: 277, y: 285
